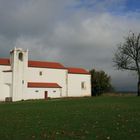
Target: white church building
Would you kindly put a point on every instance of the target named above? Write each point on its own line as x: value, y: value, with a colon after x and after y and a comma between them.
x: 23, y: 79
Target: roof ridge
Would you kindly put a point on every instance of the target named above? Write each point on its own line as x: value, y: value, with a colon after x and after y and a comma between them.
x: 75, y: 70
x: 44, y: 61
x: 48, y: 64
x: 42, y: 84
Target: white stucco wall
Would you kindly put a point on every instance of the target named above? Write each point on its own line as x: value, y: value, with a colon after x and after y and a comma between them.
x: 48, y: 76
x: 5, y: 82
x: 5, y: 91
x: 19, y: 67
x: 39, y: 93
x: 74, y: 85
x: 5, y: 77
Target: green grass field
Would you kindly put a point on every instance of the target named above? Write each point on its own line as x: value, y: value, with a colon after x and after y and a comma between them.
x: 100, y: 118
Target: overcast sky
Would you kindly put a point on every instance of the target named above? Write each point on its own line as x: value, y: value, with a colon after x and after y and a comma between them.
x: 82, y: 33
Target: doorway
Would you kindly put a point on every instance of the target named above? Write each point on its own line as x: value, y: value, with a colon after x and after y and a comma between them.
x: 46, y: 94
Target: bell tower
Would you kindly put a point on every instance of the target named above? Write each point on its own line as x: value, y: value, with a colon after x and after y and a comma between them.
x: 19, y: 65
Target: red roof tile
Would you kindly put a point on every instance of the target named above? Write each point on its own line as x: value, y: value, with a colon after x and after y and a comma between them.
x: 44, y: 64
x: 38, y: 64
x: 4, y: 61
x: 77, y: 71
x: 43, y: 85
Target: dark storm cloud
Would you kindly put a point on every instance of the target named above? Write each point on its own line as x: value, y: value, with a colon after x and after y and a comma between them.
x: 28, y: 17
x: 67, y: 31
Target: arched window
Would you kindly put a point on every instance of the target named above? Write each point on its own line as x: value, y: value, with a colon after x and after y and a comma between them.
x: 20, y: 56
x: 40, y: 73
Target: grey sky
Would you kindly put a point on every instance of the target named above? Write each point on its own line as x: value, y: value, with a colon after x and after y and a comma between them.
x: 74, y: 32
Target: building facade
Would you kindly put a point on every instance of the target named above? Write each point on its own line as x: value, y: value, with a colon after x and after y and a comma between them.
x: 23, y: 79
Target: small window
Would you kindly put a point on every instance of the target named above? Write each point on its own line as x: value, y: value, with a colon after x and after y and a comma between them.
x: 83, y: 85
x: 20, y: 56
x: 40, y: 73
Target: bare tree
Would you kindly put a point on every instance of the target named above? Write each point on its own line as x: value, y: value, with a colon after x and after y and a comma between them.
x: 127, y: 56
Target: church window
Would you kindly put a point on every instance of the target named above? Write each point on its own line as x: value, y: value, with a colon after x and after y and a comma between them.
x: 40, y: 73
x: 83, y: 85
x: 20, y: 56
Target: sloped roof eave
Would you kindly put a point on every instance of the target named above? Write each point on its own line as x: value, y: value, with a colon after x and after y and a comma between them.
x: 4, y: 61
x: 79, y: 73
x: 44, y: 64
x: 73, y: 70
x: 42, y: 85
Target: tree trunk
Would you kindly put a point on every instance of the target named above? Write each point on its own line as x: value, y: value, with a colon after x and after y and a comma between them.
x: 138, y: 87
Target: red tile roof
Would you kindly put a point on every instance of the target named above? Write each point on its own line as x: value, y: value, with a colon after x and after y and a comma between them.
x: 44, y: 64
x: 38, y: 64
x: 43, y: 85
x: 77, y: 71
x: 4, y: 61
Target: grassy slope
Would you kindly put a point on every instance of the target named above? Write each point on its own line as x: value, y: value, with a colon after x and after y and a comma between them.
x: 116, y: 118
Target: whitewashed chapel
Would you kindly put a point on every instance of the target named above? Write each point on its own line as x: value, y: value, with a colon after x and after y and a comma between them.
x: 22, y: 79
